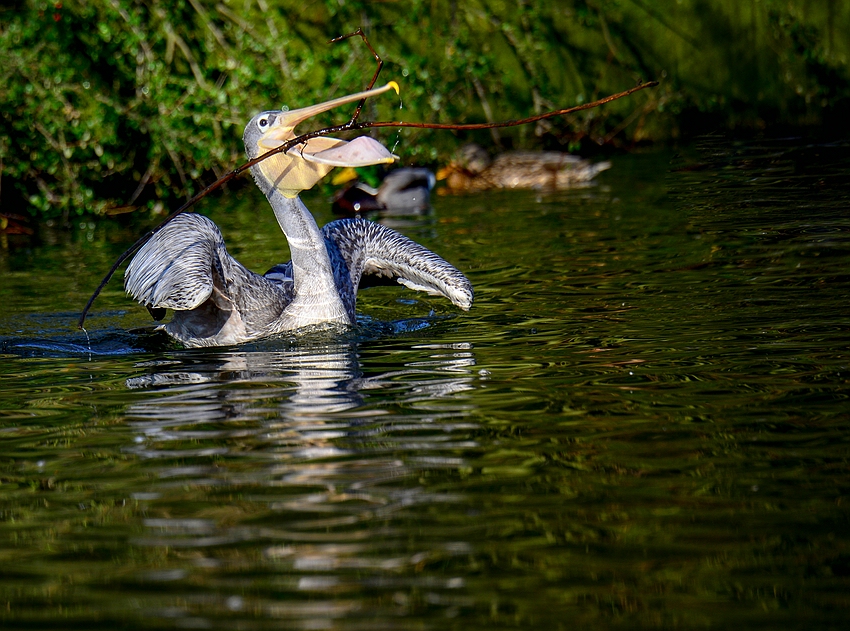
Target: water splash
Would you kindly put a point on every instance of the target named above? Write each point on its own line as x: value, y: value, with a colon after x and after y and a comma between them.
x: 88, y: 341
x: 398, y: 133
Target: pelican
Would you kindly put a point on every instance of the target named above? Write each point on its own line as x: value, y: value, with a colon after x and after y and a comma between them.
x: 473, y: 170
x: 217, y: 301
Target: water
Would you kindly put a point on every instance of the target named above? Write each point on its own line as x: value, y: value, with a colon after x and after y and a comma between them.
x: 643, y: 422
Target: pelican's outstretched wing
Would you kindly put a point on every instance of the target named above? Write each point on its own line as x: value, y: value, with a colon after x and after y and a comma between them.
x: 372, y: 252
x: 174, y: 269
x: 186, y: 264
x: 216, y: 300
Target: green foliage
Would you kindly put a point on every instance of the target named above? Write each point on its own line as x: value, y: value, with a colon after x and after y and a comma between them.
x: 112, y: 102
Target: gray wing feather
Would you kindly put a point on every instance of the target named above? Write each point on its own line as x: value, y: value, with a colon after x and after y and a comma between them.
x: 174, y: 269
x: 367, y: 248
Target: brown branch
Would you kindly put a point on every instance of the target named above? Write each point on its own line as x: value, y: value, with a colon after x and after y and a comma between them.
x: 511, y: 123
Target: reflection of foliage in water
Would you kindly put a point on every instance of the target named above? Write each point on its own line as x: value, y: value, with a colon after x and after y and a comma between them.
x: 111, y: 101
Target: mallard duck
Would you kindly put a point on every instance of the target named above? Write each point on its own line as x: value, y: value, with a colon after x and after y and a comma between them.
x: 405, y: 190
x: 473, y: 170
x: 217, y: 301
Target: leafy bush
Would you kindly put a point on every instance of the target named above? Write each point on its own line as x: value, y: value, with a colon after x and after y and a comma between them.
x: 113, y: 102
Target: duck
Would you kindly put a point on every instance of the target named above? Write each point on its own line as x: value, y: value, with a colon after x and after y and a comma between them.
x: 217, y: 301
x: 473, y: 170
x: 403, y: 191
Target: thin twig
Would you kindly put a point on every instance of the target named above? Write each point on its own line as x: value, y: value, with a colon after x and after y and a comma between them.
x: 173, y: 39
x: 217, y: 34
x: 175, y: 159
x: 485, y: 105
x: 378, y: 59
x: 281, y: 55
x: 143, y: 182
x: 626, y: 122
x: 59, y: 147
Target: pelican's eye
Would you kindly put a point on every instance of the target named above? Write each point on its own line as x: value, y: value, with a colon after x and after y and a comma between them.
x: 263, y: 122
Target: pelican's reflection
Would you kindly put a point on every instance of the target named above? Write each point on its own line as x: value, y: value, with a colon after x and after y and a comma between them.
x: 336, y: 362
x: 317, y: 380
x: 307, y: 464
x: 307, y: 395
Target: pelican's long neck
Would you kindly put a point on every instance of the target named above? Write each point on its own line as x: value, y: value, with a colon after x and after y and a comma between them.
x: 310, y: 262
x: 317, y: 297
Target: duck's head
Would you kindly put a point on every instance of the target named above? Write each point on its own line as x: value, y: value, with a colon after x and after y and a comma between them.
x: 301, y: 166
x: 466, y: 164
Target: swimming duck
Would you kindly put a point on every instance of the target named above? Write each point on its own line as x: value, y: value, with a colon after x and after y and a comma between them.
x: 217, y: 301
x: 405, y: 190
x: 473, y: 170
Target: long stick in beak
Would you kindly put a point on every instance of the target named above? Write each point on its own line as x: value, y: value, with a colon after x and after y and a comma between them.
x: 289, y: 120
x: 301, y: 167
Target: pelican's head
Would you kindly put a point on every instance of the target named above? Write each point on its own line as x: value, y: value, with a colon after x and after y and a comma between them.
x: 300, y: 167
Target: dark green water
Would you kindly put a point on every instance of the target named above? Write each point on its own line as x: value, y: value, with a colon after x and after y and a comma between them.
x: 643, y: 422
